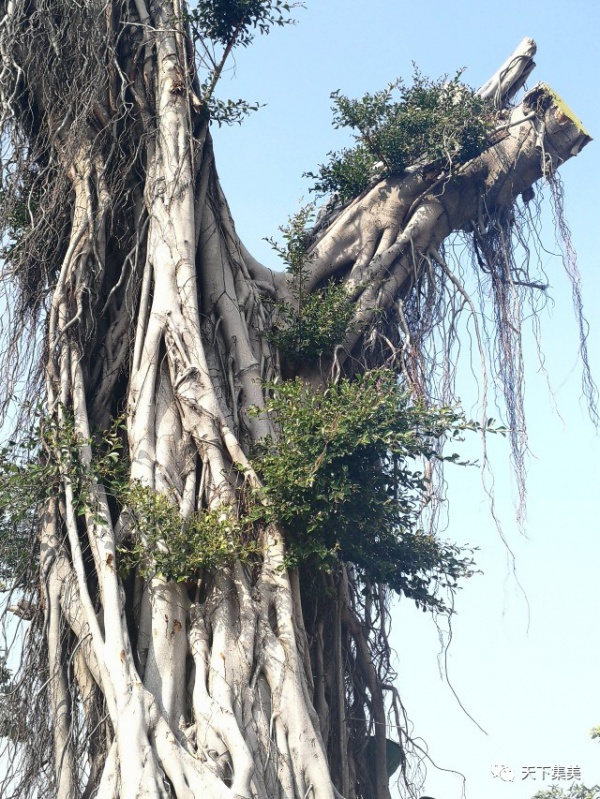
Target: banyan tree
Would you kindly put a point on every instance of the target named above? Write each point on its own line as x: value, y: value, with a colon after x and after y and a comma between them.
x: 218, y: 469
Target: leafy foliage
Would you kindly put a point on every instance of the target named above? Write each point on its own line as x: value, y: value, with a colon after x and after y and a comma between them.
x: 159, y: 540
x: 574, y: 791
x: 315, y: 322
x: 226, y: 24
x: 441, y: 122
x: 344, y: 480
x: 16, y: 216
x: 178, y: 549
x: 5, y: 673
x: 27, y: 477
x: 222, y: 21
x: 228, y: 112
x: 31, y: 468
x: 10, y: 727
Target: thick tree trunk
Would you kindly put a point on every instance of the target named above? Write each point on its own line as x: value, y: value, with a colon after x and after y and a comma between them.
x: 238, y: 683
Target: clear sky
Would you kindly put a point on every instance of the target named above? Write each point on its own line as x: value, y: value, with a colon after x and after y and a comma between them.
x: 526, y: 669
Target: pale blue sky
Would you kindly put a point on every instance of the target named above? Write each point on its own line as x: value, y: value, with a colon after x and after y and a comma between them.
x: 535, y: 691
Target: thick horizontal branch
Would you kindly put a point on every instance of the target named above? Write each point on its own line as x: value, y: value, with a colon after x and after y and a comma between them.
x: 419, y: 212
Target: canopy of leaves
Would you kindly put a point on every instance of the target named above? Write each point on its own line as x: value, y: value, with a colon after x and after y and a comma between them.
x: 441, y: 122
x: 344, y: 480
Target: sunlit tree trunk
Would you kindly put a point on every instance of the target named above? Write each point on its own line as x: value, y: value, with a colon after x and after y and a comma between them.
x: 238, y: 683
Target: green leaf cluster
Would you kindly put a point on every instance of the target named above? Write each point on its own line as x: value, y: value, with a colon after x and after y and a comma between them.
x: 314, y: 326
x: 222, y: 25
x: 315, y: 322
x: 575, y: 791
x: 164, y: 543
x: 431, y: 122
x: 344, y: 479
x: 228, y: 112
x: 16, y: 219
x: 160, y: 540
x: 32, y: 467
x: 19, y: 205
x: 5, y: 673
x: 27, y: 478
x: 223, y: 21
